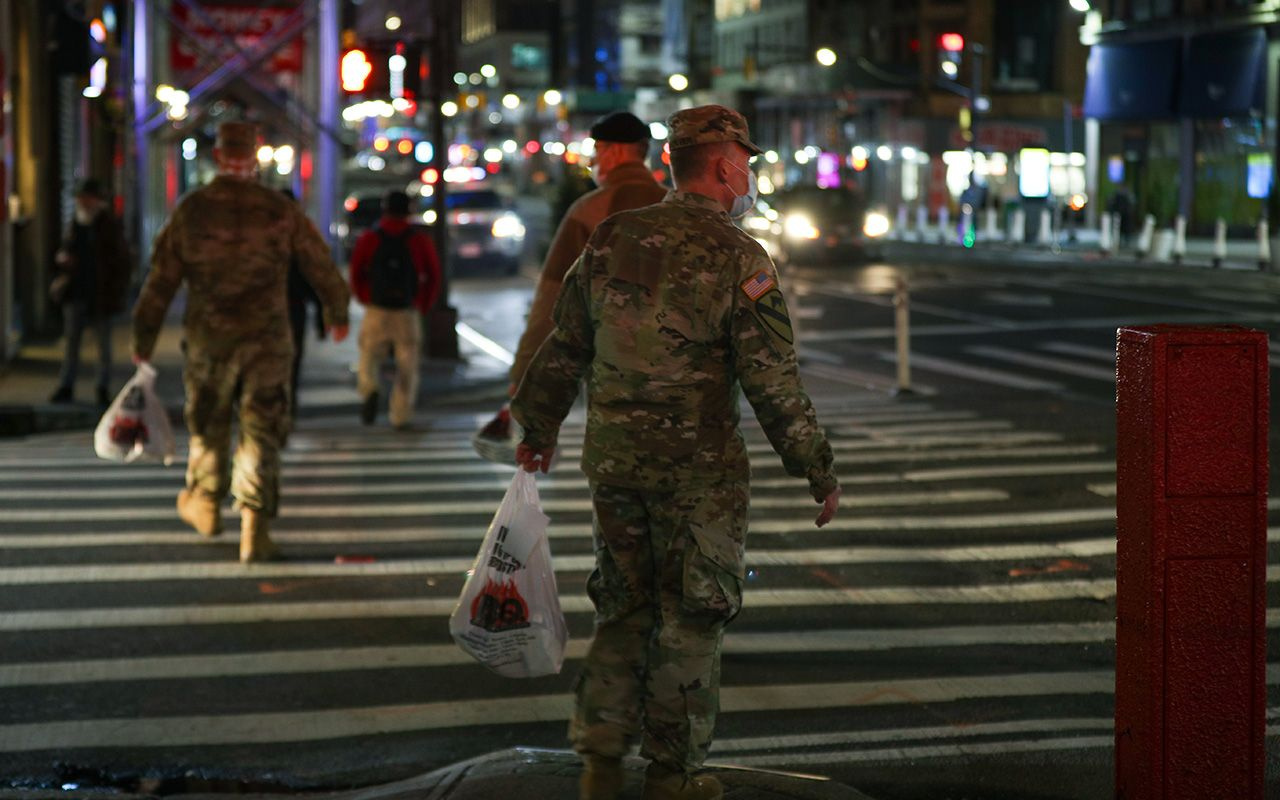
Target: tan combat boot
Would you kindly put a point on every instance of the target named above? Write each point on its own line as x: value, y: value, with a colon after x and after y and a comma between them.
x: 200, y: 512
x: 601, y: 778
x: 662, y: 784
x: 255, y: 544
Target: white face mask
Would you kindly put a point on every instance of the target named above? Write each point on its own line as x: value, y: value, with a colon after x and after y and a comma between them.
x: 742, y: 203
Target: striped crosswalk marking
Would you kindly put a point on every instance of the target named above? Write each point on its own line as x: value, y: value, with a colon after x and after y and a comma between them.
x: 959, y: 369
x: 1042, y: 362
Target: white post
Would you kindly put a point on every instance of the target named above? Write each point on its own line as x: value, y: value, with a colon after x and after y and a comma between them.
x: 1018, y: 226
x: 992, y: 227
x: 900, y: 227
x: 1219, y: 242
x: 1145, y: 238
x: 1179, y: 239
x: 1115, y: 230
x: 1104, y: 233
x: 1045, y: 237
x: 944, y: 223
x: 902, y: 334
x: 1264, y: 245
x: 922, y: 220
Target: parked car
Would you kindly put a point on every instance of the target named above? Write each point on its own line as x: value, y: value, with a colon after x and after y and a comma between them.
x: 806, y: 224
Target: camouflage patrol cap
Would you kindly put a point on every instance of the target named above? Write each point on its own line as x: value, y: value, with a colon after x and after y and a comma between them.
x: 708, y: 124
x: 237, y: 140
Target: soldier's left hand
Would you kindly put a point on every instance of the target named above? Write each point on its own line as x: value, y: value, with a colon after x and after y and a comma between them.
x: 829, y: 505
x: 338, y: 332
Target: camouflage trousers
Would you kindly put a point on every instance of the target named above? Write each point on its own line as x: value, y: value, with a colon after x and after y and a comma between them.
x: 400, y: 331
x: 258, y: 379
x: 668, y: 577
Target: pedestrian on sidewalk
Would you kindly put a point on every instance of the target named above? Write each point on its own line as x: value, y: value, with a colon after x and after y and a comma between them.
x: 395, y: 274
x: 667, y: 311
x: 624, y: 181
x: 92, y: 269
x: 301, y: 298
x: 231, y: 243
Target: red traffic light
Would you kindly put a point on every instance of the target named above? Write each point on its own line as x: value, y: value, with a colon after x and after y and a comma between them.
x: 951, y: 42
x: 355, y: 70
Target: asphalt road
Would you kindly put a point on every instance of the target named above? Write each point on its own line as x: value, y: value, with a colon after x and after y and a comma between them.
x: 950, y: 635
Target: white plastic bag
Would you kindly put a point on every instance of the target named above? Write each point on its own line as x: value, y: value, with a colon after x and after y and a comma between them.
x: 508, y: 616
x: 136, y: 425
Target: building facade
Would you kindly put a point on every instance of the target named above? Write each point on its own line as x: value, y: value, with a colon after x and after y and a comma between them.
x: 1181, y: 108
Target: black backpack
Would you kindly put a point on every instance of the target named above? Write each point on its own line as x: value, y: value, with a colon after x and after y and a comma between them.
x: 393, y: 277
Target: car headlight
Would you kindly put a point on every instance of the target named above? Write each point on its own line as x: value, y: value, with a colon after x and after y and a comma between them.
x: 507, y: 226
x: 798, y: 226
x: 875, y: 225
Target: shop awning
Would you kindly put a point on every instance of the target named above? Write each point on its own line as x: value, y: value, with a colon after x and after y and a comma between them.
x: 1224, y: 75
x: 1133, y: 81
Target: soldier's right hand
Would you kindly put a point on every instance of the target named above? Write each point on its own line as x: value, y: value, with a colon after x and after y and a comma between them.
x: 531, y: 460
x: 829, y: 505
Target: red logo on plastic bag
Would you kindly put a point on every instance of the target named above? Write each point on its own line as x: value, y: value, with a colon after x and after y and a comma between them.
x: 499, y: 607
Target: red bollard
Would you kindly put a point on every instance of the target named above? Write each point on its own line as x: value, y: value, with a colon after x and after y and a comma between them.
x: 1191, y: 562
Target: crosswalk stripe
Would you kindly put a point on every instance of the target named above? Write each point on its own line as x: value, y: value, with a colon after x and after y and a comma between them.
x: 919, y: 752
x: 103, y: 471
x: 30, y: 575
x: 1042, y: 362
x: 1107, y: 354
x: 467, y: 455
x: 300, y: 726
x: 345, y: 510
x: 1009, y: 471
x: 272, y: 662
x: 244, y: 613
x: 971, y: 372
x: 932, y: 733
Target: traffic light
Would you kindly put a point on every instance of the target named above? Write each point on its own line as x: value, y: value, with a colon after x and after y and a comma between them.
x: 355, y: 70
x: 950, y: 50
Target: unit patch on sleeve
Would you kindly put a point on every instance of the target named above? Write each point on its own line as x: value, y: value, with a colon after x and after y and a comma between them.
x: 771, y: 309
x: 755, y: 286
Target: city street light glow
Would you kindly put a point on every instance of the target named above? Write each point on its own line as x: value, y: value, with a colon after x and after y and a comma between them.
x: 397, y: 63
x: 826, y: 56
x: 950, y: 69
x: 678, y: 82
x: 884, y: 152
x: 459, y: 78
x: 657, y: 130
x: 552, y: 97
x: 393, y: 22
x: 771, y: 156
x: 489, y: 70
x: 266, y: 154
x: 449, y: 108
x: 510, y: 146
x: 1080, y: 5
x: 860, y: 153
x: 511, y: 101
x: 164, y: 92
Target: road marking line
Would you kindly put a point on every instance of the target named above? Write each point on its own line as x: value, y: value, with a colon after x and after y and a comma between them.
x: 300, y: 726
x: 959, y: 369
x: 552, y: 506
x: 884, y: 735
x: 1040, y: 362
x: 1010, y: 471
x: 278, y: 662
x: 1105, y: 354
x: 484, y: 344
x: 253, y: 613
x: 30, y: 575
x: 102, y: 471
x: 966, y: 750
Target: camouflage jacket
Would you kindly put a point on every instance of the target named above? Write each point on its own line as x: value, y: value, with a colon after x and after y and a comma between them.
x: 669, y: 310
x: 232, y: 242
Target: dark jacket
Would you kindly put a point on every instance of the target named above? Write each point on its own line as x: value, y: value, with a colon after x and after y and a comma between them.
x: 98, y: 266
x: 421, y: 248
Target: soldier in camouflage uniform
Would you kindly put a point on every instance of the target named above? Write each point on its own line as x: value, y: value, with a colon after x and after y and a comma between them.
x: 668, y: 311
x: 232, y: 242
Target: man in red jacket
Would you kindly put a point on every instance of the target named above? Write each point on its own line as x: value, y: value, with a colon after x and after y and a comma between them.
x: 395, y: 274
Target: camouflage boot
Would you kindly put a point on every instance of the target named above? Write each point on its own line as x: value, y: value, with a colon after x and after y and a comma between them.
x: 662, y: 784
x: 255, y: 544
x: 601, y: 778
x: 200, y: 512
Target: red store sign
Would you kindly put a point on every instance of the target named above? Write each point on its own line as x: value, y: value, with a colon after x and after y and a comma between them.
x: 247, y: 26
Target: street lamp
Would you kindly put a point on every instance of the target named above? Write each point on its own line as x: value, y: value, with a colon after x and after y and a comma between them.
x: 678, y: 82
x: 393, y: 22
x: 511, y: 101
x: 825, y: 56
x: 551, y: 97
x: 1080, y: 5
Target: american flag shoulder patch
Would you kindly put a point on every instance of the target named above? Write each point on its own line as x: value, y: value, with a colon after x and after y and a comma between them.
x: 756, y: 286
